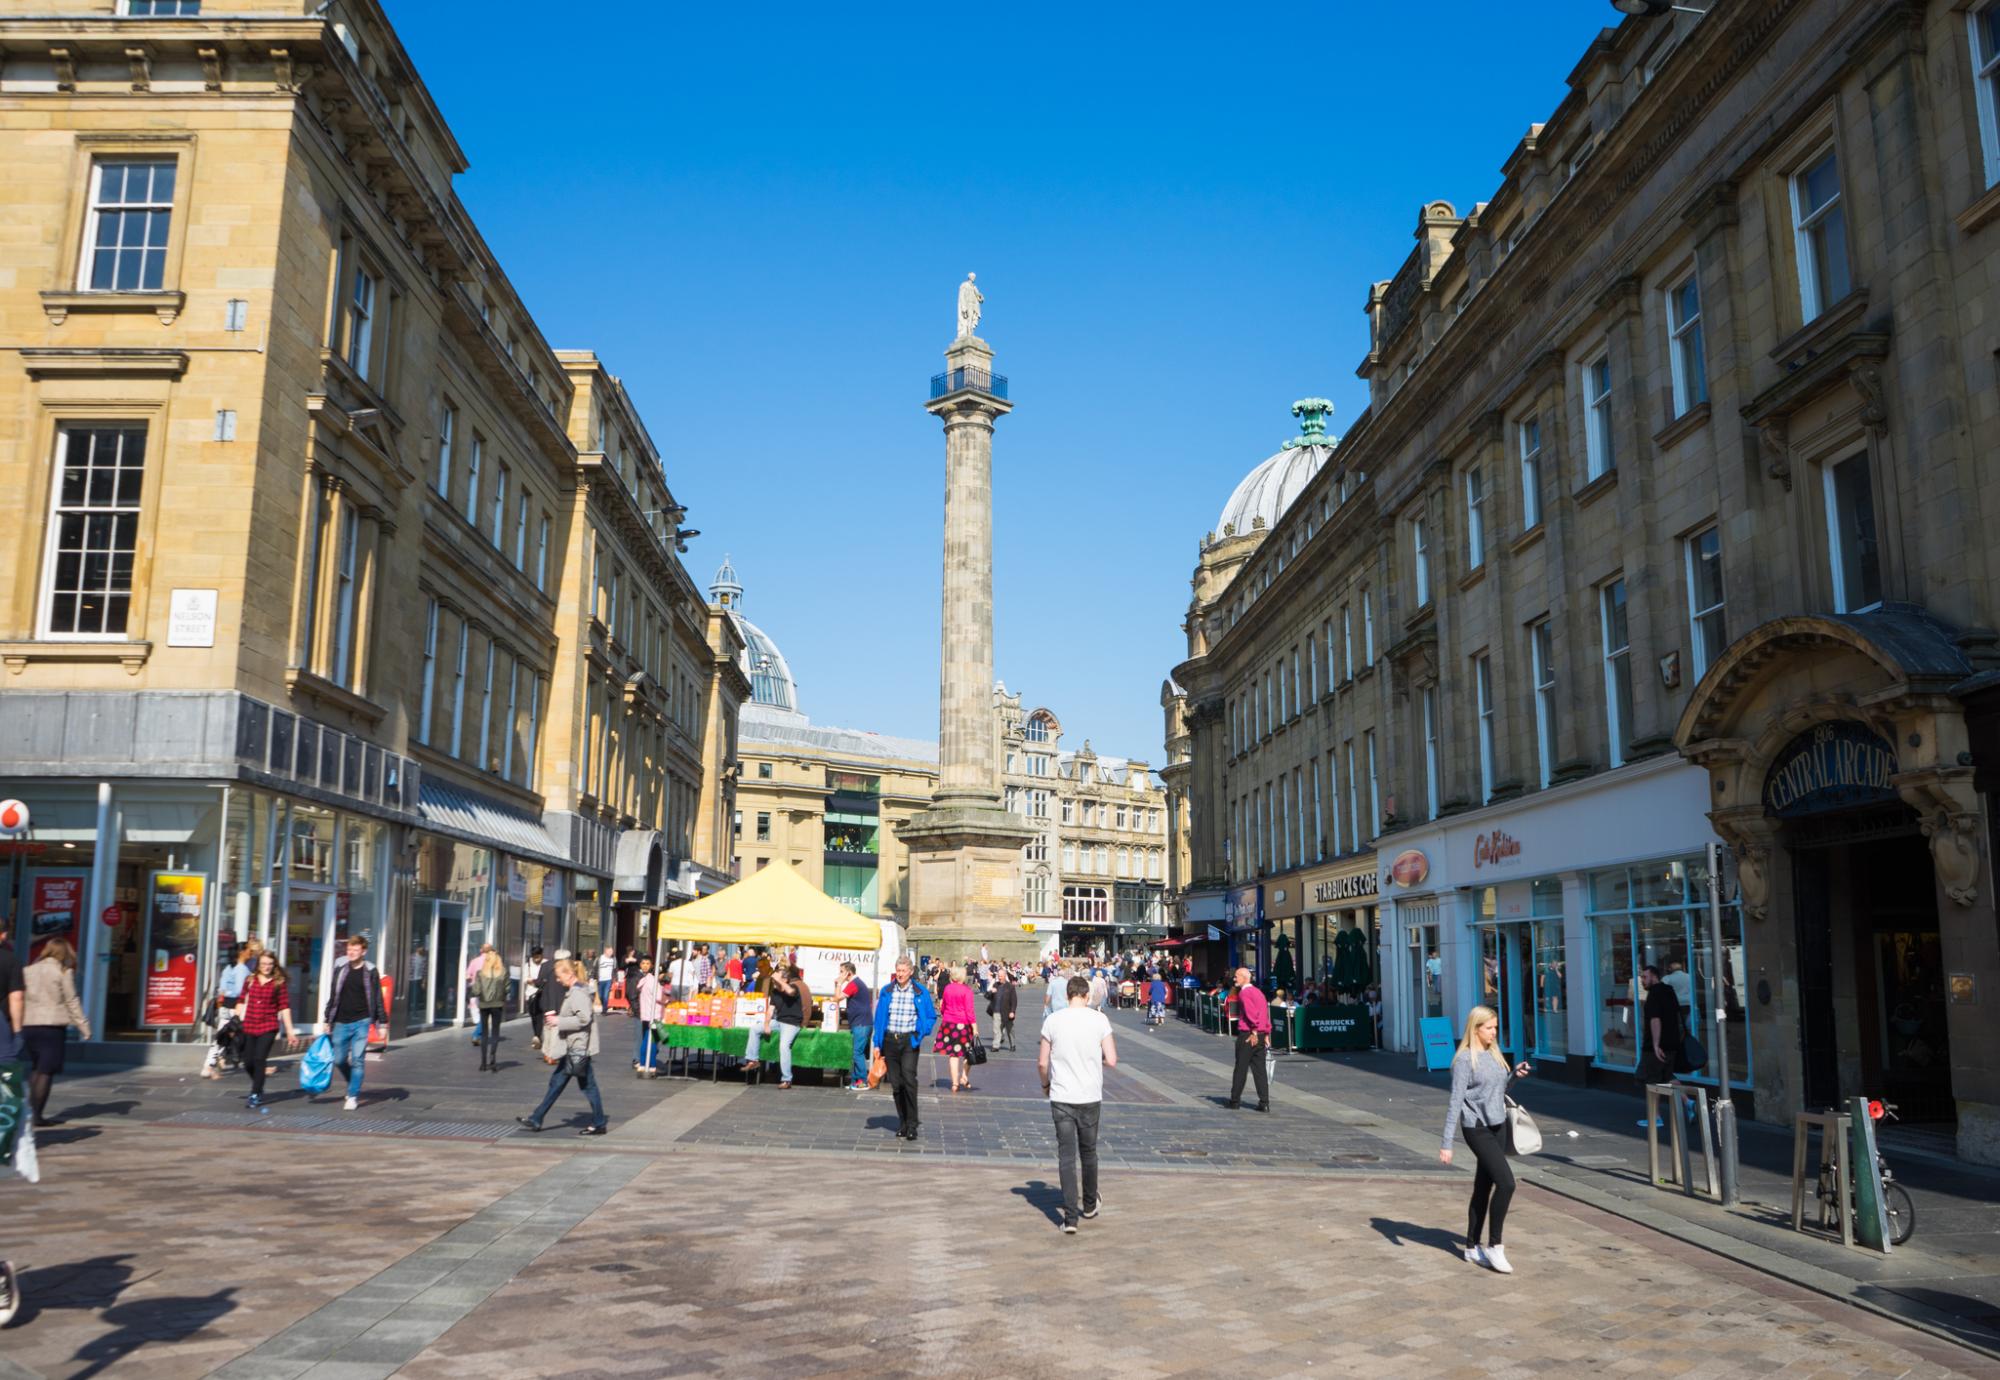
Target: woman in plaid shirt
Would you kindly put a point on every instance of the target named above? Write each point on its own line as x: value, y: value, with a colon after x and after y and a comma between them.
x: 265, y: 1009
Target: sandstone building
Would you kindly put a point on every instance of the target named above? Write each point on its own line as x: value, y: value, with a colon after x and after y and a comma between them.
x: 336, y: 600
x: 1666, y: 520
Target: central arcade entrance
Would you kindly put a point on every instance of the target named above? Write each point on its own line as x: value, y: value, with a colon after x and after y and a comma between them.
x: 1871, y: 976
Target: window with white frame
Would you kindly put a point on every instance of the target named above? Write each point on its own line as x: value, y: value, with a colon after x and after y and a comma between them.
x: 430, y: 673
x: 542, y: 554
x: 447, y: 424
x: 125, y: 236
x: 1985, y: 21
x: 1326, y: 639
x: 1704, y: 590
x: 1038, y: 804
x: 1069, y: 812
x: 1374, y: 787
x: 1332, y: 801
x: 1298, y: 703
x: 472, y: 479
x: 1431, y: 767
x: 1542, y: 666
x: 1684, y: 352
x: 521, y: 530
x: 1599, y: 457
x: 1346, y: 642
x: 1312, y: 669
x: 534, y: 730
x: 1819, y: 225
x: 481, y: 758
x: 347, y: 557
x: 458, y: 689
x: 361, y: 321
x: 1853, y: 549
x: 1528, y: 441
x: 1482, y: 690
x: 1319, y: 820
x: 1353, y: 801
x: 1069, y: 857
x: 1475, y: 518
x: 500, y: 503
x: 512, y: 721
x: 161, y: 9
x: 1617, y: 651
x: 93, y: 537
x: 1367, y: 627
x: 1421, y: 557
x: 1283, y: 715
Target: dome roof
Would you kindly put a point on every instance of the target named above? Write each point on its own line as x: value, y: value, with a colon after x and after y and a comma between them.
x: 770, y: 675
x: 1270, y: 488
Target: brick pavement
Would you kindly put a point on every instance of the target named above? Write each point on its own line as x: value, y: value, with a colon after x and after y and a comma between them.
x: 731, y: 1248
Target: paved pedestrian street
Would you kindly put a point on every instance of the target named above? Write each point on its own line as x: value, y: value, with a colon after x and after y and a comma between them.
x: 731, y: 1230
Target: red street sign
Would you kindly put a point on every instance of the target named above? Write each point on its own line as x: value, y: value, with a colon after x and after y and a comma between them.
x: 112, y: 916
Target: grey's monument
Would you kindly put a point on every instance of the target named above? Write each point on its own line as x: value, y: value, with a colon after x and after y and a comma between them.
x: 965, y: 850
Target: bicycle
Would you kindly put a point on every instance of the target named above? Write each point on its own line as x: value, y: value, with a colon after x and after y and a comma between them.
x: 1896, y: 1203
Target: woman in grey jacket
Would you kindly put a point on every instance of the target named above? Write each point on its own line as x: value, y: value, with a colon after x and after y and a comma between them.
x: 1479, y: 1079
x: 576, y: 1025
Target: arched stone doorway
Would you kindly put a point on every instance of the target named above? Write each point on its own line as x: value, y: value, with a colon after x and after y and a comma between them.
x: 1841, y: 777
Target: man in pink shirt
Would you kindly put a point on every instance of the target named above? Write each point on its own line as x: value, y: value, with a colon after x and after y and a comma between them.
x: 1253, y: 1036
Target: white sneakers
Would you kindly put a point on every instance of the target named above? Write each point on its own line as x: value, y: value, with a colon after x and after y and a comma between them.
x: 1493, y: 1258
x: 351, y: 1104
x: 1475, y: 1255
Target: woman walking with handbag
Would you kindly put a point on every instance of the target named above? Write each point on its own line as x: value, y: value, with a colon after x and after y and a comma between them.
x: 266, y: 1008
x: 1479, y: 1079
x: 958, y: 1028
x: 49, y: 1006
x: 489, y: 990
x: 576, y: 1026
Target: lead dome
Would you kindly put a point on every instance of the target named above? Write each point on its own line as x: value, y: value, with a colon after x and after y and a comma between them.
x: 771, y: 682
x: 1269, y: 489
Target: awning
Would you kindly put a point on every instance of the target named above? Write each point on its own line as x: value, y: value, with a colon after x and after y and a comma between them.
x: 1166, y: 943
x: 480, y: 819
x: 772, y: 906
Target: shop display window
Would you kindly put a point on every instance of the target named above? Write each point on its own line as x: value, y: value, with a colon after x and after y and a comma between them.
x: 1657, y: 913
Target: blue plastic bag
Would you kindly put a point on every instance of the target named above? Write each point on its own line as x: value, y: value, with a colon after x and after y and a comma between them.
x: 316, y: 1068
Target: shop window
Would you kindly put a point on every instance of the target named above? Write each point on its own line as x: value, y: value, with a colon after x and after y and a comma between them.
x: 93, y: 531
x: 1617, y: 649
x: 1528, y: 439
x: 1550, y: 969
x: 125, y: 234
x: 1704, y: 591
x: 1853, y: 548
x: 1819, y: 227
x: 1685, y: 354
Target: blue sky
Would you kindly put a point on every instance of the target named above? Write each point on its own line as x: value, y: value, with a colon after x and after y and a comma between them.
x: 758, y: 216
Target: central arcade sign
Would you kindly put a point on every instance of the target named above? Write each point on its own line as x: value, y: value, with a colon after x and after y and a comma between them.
x: 1831, y: 766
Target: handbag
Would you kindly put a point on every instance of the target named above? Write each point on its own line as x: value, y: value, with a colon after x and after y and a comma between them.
x: 554, y: 1047
x: 1693, y: 1056
x: 1523, y: 1136
x: 978, y: 1053
x: 878, y: 1069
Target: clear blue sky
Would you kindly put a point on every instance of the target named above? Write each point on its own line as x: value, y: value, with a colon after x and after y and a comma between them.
x: 758, y: 216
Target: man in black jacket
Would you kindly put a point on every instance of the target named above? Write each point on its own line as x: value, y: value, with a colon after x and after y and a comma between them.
x: 353, y: 1003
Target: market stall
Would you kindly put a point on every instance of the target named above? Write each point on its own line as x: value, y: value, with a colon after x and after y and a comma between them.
x: 779, y: 908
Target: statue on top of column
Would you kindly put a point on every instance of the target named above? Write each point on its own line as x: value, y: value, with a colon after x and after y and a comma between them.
x: 969, y: 298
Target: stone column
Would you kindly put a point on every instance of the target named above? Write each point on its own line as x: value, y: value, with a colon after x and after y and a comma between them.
x: 967, y: 771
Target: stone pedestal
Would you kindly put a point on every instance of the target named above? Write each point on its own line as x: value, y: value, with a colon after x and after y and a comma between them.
x: 965, y: 851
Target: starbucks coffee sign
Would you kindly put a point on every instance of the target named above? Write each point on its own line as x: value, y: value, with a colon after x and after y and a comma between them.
x: 1345, y: 888
x: 1831, y: 766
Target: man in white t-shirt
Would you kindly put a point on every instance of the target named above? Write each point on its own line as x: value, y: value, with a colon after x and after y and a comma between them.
x: 1076, y: 1049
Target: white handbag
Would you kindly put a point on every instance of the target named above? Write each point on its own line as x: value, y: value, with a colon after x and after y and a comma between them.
x: 1523, y: 1136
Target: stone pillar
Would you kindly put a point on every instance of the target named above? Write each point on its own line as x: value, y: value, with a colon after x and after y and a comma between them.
x: 965, y: 851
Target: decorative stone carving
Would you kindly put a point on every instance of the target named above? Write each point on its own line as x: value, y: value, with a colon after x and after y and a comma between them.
x: 1866, y: 377
x: 211, y: 67
x: 1948, y: 812
x: 969, y: 298
x: 142, y: 68
x: 65, y: 65
x: 1775, y: 444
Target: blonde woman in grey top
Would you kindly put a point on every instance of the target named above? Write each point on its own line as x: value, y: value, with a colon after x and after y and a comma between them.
x: 576, y: 1024
x: 1479, y: 1078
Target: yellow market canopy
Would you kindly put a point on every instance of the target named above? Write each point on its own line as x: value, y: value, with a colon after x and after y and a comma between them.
x: 772, y: 906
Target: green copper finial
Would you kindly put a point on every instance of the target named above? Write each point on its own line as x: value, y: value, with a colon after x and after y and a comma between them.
x: 1312, y: 414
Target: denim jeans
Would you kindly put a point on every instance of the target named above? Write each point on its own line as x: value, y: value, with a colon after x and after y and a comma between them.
x: 559, y: 1076
x: 350, y: 1052
x: 1076, y: 1139
x: 786, y: 1034
x: 862, y: 1035
x: 642, y: 1053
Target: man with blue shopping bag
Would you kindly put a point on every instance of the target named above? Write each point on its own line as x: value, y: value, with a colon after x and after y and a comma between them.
x: 353, y: 1003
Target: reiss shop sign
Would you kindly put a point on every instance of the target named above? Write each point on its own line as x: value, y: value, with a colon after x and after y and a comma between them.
x: 1495, y: 848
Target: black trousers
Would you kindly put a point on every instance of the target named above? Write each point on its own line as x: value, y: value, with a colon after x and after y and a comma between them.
x: 489, y: 1035
x: 1492, y: 1184
x: 1076, y: 1145
x: 256, y: 1055
x: 899, y: 1052
x: 1249, y: 1060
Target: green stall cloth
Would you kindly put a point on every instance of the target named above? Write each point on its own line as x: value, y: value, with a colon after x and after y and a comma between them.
x: 813, y: 1049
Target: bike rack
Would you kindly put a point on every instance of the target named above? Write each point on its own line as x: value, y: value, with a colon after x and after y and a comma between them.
x: 1679, y: 1174
x: 1833, y: 1130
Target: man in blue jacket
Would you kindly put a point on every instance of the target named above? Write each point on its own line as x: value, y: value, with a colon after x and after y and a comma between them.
x: 904, y: 1015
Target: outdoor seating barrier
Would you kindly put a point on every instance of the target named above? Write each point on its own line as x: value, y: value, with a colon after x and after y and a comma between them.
x: 1678, y: 1096
x: 1834, y: 1129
